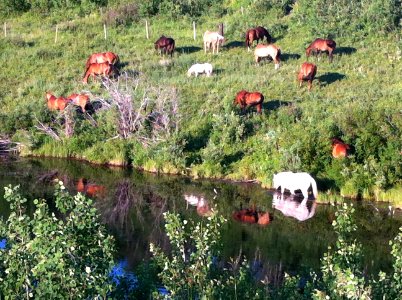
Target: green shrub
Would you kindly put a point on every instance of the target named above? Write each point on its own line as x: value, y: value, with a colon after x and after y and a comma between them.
x: 65, y: 254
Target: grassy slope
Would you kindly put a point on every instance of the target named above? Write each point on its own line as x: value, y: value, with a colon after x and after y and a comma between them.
x: 356, y: 83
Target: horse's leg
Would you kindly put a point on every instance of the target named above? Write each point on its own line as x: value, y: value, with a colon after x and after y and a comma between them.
x: 259, y: 108
x: 330, y: 55
x: 310, y: 84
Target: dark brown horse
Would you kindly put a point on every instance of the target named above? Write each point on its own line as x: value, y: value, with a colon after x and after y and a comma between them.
x: 322, y: 45
x: 103, y: 69
x: 165, y: 45
x: 339, y: 148
x: 246, y: 99
x: 307, y: 73
x: 256, y: 34
x: 104, y: 57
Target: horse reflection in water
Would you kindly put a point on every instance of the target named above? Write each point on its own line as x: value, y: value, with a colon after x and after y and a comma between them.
x: 252, y: 216
x: 201, y: 203
x: 90, y: 189
x: 290, y: 206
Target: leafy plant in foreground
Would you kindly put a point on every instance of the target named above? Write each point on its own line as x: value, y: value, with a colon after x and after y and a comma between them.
x: 62, y: 255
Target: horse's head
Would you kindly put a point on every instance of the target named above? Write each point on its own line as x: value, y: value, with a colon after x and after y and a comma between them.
x: 240, y: 98
x: 308, y: 51
x: 49, y: 96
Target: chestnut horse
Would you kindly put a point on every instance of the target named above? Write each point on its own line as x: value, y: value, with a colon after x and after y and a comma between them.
x: 246, y: 99
x: 79, y: 99
x: 307, y: 73
x: 104, y: 69
x: 165, y: 45
x: 54, y: 103
x: 89, y: 189
x: 256, y: 34
x: 321, y: 45
x: 104, y: 57
x: 212, y: 39
x: 268, y: 51
x: 339, y: 148
x: 251, y: 216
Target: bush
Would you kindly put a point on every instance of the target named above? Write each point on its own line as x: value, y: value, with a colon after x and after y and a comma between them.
x: 123, y: 15
x: 65, y: 254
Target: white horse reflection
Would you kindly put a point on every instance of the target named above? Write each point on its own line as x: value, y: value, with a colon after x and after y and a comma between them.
x: 200, y: 202
x: 290, y: 207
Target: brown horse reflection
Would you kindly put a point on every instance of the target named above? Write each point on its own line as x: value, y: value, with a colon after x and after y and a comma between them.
x: 252, y: 216
x: 291, y: 207
x: 89, y: 189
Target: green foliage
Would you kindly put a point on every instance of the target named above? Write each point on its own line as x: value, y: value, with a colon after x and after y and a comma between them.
x: 339, y: 18
x: 51, y: 255
x: 191, y: 269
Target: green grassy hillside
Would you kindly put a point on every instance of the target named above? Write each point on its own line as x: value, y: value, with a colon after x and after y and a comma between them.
x: 357, y: 98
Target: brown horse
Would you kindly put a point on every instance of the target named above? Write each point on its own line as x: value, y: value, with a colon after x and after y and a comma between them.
x: 251, y: 216
x: 104, y: 57
x: 89, y: 189
x: 246, y: 99
x: 103, y: 69
x: 322, y: 45
x: 165, y: 45
x: 307, y: 73
x: 79, y: 99
x: 256, y: 34
x: 339, y: 148
x: 268, y: 51
x: 54, y: 103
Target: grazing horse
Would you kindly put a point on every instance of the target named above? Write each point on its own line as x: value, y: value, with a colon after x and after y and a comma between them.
x: 251, y: 216
x: 295, y: 181
x: 320, y: 45
x: 307, y: 73
x: 104, y: 69
x: 89, y: 189
x: 246, y: 99
x: 79, y: 99
x: 212, y: 39
x: 104, y: 57
x: 339, y: 148
x: 54, y: 103
x: 199, y: 69
x: 268, y: 51
x: 290, y: 207
x: 256, y: 34
x: 165, y: 45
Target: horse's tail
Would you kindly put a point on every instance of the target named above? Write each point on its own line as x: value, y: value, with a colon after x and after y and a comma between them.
x: 314, y: 186
x: 278, y: 55
x: 117, y: 60
x: 247, y: 40
x: 88, y: 62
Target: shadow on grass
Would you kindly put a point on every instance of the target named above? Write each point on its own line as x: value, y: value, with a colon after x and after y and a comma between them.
x: 330, y: 77
x: 345, y: 50
x: 235, y: 44
x: 274, y: 104
x: 231, y: 158
x: 188, y: 49
x: 289, y: 56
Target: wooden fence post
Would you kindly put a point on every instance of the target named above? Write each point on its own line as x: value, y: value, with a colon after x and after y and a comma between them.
x: 57, y: 30
x: 242, y: 11
x: 194, y: 32
x: 146, y: 29
x: 5, y: 29
x: 104, y: 29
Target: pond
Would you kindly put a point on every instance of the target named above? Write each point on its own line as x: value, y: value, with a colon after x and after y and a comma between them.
x: 276, y: 234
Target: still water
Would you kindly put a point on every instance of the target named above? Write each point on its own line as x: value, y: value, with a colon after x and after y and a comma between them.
x: 276, y: 234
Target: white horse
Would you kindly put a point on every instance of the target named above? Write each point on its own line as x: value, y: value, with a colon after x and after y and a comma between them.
x: 295, y: 181
x: 293, y: 208
x: 199, y: 69
x: 268, y: 51
x: 214, y: 39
